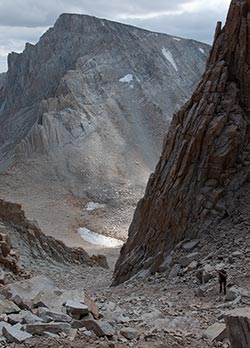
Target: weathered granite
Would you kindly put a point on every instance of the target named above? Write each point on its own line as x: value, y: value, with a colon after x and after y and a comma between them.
x: 205, y: 157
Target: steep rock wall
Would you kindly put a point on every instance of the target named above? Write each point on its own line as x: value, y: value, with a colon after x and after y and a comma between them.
x: 205, y: 157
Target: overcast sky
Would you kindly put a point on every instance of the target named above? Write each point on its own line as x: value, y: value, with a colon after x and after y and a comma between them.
x: 24, y: 21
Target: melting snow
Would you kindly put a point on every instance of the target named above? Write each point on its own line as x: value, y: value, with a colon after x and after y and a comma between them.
x: 167, y: 54
x: 127, y: 78
x: 99, y: 239
x: 92, y: 206
x: 201, y: 49
x: 176, y: 39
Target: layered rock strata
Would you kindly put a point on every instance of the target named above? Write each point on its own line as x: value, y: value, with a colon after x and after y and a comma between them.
x: 205, y: 157
x: 28, y: 234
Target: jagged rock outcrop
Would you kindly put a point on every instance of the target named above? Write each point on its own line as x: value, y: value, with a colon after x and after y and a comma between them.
x: 31, y: 242
x: 205, y: 158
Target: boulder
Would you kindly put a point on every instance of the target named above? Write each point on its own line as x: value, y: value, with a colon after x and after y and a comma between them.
x: 8, y: 307
x: 236, y: 292
x: 76, y: 310
x: 56, y: 299
x: 175, y: 271
x: 41, y: 328
x: 207, y: 273
x: 91, y: 306
x: 25, y: 317
x: 30, y: 318
x: 192, y: 266
x: 238, y: 327
x: 79, y: 323
x: 14, y: 334
x: 130, y: 333
x: 48, y: 315
x: 216, y: 332
x: 166, y: 263
x: 190, y: 245
x: 23, y: 292
x: 101, y: 260
x: 2, y: 324
x: 15, y: 318
x: 186, y: 260
x: 100, y: 327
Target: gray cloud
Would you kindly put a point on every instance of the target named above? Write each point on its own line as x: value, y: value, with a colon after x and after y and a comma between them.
x: 33, y: 13
x: 201, y: 27
x: 25, y: 20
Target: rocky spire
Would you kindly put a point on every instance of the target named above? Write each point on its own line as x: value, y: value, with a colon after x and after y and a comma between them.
x: 205, y: 158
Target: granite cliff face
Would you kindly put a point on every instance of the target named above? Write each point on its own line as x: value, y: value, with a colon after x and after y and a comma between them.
x: 205, y: 158
x: 94, y: 83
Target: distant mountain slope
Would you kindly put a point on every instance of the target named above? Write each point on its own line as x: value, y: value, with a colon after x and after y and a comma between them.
x: 205, y: 158
x: 82, y: 63
x: 91, y: 101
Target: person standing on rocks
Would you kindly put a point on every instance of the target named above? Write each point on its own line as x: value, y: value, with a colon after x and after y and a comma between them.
x: 223, y: 280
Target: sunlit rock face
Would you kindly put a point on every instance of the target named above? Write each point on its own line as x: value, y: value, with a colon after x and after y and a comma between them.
x: 205, y: 157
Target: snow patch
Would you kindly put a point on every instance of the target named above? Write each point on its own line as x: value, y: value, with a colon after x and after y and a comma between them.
x: 127, y: 78
x: 168, y: 55
x: 99, y: 239
x: 92, y: 206
x: 176, y: 39
x: 201, y: 49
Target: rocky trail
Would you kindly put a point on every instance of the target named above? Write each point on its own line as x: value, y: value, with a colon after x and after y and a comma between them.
x: 180, y: 306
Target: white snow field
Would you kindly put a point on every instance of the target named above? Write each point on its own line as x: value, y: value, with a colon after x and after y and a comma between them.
x: 168, y: 55
x: 99, y: 239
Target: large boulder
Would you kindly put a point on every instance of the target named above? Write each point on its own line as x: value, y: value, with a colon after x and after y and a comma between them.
x: 216, y: 332
x: 15, y: 334
x: 238, y: 326
x: 24, y: 292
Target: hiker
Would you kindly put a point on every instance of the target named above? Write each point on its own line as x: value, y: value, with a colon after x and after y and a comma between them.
x: 223, y: 280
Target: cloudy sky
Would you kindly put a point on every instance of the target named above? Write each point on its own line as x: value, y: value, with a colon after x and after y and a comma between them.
x: 24, y: 21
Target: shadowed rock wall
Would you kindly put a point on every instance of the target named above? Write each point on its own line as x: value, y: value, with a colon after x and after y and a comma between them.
x: 206, y: 154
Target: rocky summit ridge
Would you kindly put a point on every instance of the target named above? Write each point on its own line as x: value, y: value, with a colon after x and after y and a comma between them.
x: 86, y: 108
x: 205, y: 158
x: 85, y: 67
